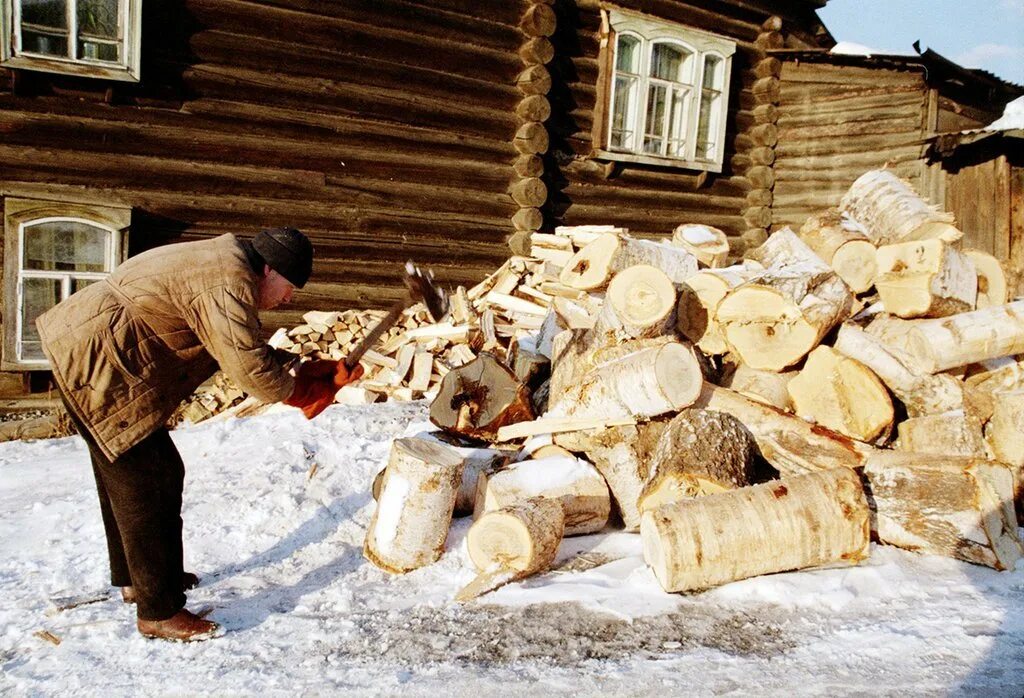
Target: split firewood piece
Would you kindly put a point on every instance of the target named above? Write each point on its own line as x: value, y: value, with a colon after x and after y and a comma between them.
x: 700, y: 452
x: 891, y: 211
x: 954, y: 433
x: 513, y: 543
x: 922, y: 393
x: 1004, y: 432
x: 622, y: 454
x: 794, y: 523
x: 940, y: 344
x: 769, y: 387
x: 479, y: 398
x: 844, y: 245
x: 954, y: 506
x: 558, y: 425
x: 594, y: 265
x: 700, y: 295
x: 709, y: 245
x: 644, y: 383
x: 992, y: 286
x: 998, y: 375
x: 842, y: 394
x: 789, y: 443
x: 926, y: 278
x: 574, y: 483
x: 417, y: 497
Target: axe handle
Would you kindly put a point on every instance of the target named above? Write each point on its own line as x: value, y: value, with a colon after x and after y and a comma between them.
x: 394, y: 313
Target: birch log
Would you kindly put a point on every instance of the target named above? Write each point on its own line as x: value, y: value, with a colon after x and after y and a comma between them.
x: 954, y: 506
x: 595, y: 264
x: 925, y: 278
x: 709, y: 245
x: 700, y: 452
x: 789, y: 443
x: 940, y: 344
x: 891, y: 211
x: 477, y: 399
x: 700, y: 295
x: 769, y: 387
x: 797, y: 522
x: 844, y: 245
x: 992, y: 287
x: 1004, y: 432
x: 954, y: 433
x: 842, y: 394
x: 574, y: 483
x: 410, y: 524
x: 639, y: 303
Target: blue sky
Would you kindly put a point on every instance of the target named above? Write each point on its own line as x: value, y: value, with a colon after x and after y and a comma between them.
x: 986, y: 34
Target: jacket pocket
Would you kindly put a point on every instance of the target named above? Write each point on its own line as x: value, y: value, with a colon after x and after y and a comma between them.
x: 109, y: 348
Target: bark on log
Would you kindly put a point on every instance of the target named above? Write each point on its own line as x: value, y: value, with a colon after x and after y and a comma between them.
x: 709, y: 245
x: 843, y: 244
x: 842, y: 394
x: 593, y: 266
x: 925, y: 278
x: 957, y: 507
x: 891, y: 211
x: 947, y: 434
x: 943, y: 343
x: 418, y: 492
x: 574, y: 483
x: 699, y: 297
x: 794, y: 523
x: 477, y: 399
x: 790, y: 444
x: 700, y: 452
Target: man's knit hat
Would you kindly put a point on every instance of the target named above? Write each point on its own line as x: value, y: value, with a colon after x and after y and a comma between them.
x: 286, y: 251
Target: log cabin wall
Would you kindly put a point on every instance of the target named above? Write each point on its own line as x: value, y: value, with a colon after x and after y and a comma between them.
x: 838, y: 121
x: 381, y: 128
x: 652, y: 200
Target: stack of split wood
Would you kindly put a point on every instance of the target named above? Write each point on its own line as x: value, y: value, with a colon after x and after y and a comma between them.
x: 856, y: 380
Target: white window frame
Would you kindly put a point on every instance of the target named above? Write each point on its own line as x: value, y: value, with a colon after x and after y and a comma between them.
x: 127, y: 69
x: 20, y: 214
x: 701, y: 45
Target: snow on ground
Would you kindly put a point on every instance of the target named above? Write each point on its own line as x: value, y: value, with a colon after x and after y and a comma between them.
x: 280, y: 554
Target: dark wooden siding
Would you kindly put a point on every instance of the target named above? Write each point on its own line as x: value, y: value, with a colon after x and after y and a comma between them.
x: 650, y: 200
x: 835, y: 123
x: 382, y: 128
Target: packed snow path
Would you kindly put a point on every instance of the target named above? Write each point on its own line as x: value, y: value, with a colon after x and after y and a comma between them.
x: 280, y: 553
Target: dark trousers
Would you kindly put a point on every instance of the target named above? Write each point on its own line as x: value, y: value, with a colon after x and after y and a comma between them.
x: 140, y: 500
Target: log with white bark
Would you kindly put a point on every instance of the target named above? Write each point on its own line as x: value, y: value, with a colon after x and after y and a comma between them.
x: 622, y: 454
x: 643, y: 383
x: 842, y: 394
x: 477, y: 399
x: 417, y: 497
x: 940, y: 344
x: 953, y: 433
x: 640, y: 302
x: 700, y: 452
x: 997, y: 375
x: 595, y: 264
x: 844, y: 245
x: 700, y: 295
x: 959, y: 507
x: 789, y: 443
x: 1004, y: 432
x: 891, y: 211
x: 709, y: 245
x: 768, y: 387
x: 992, y: 286
x: 925, y: 278
x: 513, y: 543
x: 794, y: 523
x: 573, y: 482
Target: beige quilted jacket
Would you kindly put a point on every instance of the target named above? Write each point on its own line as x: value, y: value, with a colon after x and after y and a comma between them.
x: 125, y: 351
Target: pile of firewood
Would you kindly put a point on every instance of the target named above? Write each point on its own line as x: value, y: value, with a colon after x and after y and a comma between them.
x: 855, y: 379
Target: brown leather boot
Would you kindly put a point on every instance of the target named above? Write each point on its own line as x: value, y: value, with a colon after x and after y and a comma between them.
x: 183, y: 626
x: 188, y: 581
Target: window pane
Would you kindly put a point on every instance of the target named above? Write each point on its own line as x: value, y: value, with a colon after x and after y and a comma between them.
x: 667, y: 62
x: 45, y: 44
x: 45, y: 13
x: 677, y: 123
x: 98, y: 18
x: 78, y: 284
x: 628, y: 55
x: 655, y: 131
x: 65, y: 246
x: 624, y: 117
x: 707, y: 125
x: 39, y: 295
x: 712, y: 72
x: 98, y: 51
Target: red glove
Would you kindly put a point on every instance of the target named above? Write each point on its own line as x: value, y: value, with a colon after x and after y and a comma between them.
x: 316, y: 383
